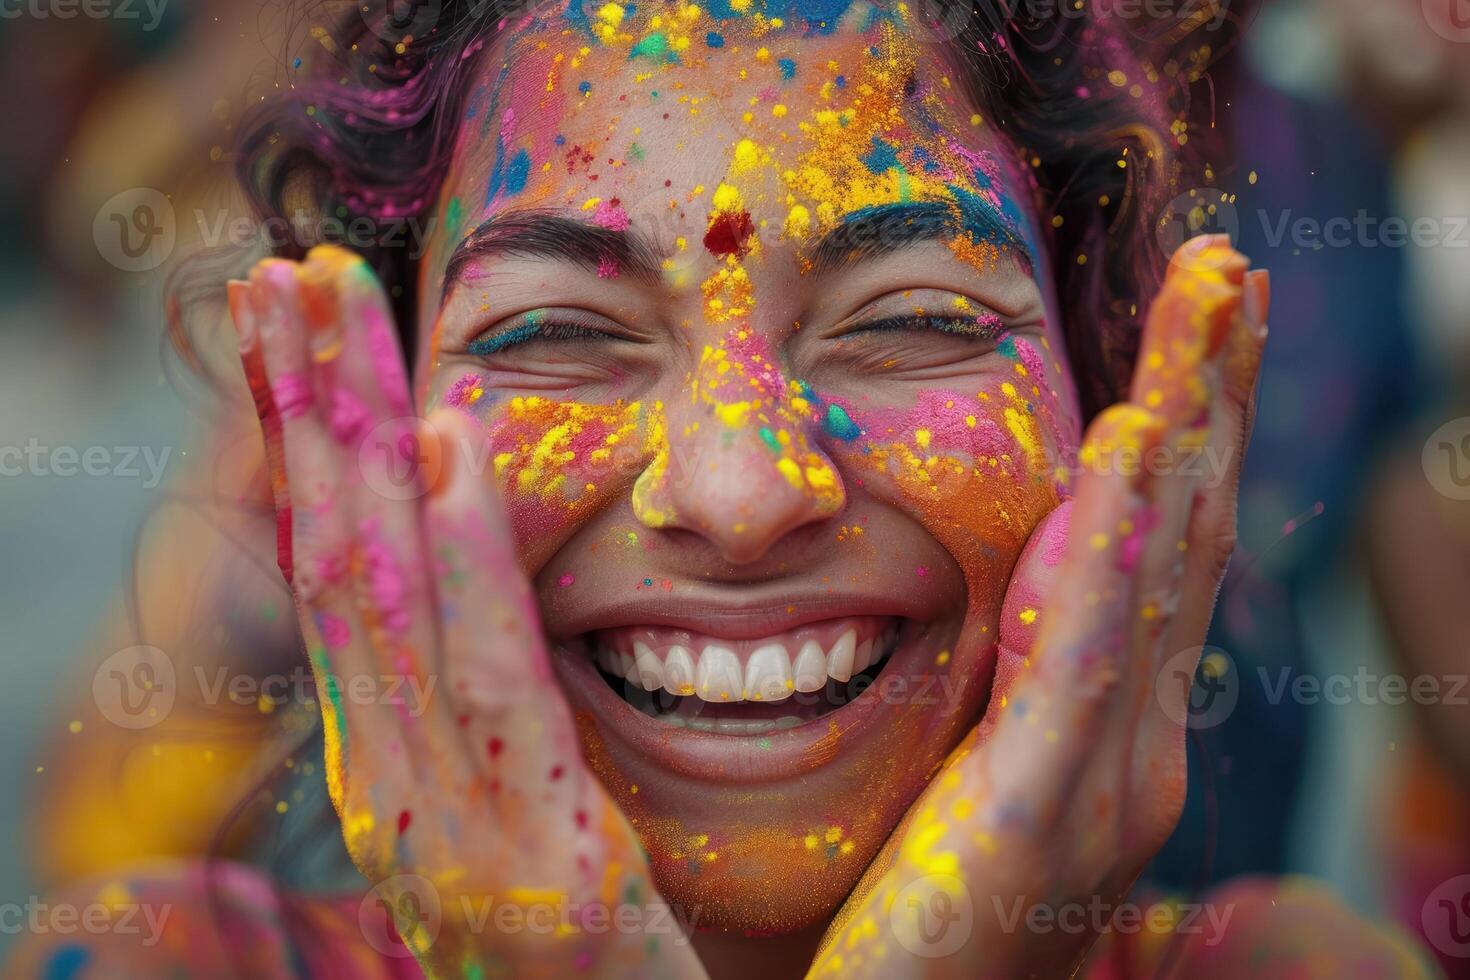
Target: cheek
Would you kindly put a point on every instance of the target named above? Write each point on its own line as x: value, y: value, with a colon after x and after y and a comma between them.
x: 554, y: 462
x: 977, y: 467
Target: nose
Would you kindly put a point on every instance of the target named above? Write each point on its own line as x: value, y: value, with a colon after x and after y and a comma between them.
x: 739, y: 472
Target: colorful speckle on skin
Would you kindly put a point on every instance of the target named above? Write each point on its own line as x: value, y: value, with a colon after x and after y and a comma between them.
x: 840, y: 425
x: 566, y: 579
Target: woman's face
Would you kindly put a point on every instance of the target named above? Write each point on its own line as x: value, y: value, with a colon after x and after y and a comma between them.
x: 753, y: 317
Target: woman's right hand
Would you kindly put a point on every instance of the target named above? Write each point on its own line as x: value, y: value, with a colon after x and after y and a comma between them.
x: 452, y: 757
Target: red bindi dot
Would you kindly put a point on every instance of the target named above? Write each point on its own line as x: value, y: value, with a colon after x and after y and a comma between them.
x: 556, y: 773
x: 404, y: 819
x: 495, y: 746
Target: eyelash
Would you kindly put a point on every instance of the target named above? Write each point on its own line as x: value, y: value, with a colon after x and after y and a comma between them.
x: 538, y: 329
x: 967, y: 326
x: 569, y: 330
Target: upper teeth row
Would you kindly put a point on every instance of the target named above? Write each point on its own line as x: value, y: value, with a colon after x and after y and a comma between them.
x: 771, y: 673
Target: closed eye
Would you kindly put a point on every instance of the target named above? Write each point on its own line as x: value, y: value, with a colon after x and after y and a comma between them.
x: 560, y: 326
x: 985, y: 327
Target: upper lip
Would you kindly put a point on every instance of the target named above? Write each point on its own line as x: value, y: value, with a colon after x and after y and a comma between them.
x: 749, y: 614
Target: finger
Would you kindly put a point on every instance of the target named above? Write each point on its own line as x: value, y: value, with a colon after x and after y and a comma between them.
x: 1057, y: 706
x: 362, y: 388
x: 1129, y: 519
x: 499, y: 673
x: 308, y: 507
x: 1211, y: 534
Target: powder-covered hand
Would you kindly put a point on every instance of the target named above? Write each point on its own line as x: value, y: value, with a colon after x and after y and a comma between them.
x: 452, y: 757
x: 1076, y: 776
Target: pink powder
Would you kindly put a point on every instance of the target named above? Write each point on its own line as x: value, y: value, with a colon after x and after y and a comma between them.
x: 336, y: 634
x: 610, y: 214
x: 292, y: 394
x: 350, y: 418
x: 384, y: 577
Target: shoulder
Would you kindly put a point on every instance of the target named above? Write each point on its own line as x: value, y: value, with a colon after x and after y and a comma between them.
x: 189, y: 918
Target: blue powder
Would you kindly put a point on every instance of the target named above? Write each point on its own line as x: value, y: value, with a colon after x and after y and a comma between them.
x: 518, y: 172
x: 882, y: 158
x: 788, y: 68
x: 714, y: 40
x: 840, y: 425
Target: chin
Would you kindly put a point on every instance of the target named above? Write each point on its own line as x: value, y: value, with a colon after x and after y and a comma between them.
x: 765, y: 750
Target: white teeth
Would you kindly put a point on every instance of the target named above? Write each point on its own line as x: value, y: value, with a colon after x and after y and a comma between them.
x: 810, y: 669
x: 839, y: 660
x: 768, y: 674
x: 679, y: 671
x: 649, y: 668
x: 718, y: 677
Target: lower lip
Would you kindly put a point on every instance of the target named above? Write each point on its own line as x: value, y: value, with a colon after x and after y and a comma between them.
x: 740, y: 759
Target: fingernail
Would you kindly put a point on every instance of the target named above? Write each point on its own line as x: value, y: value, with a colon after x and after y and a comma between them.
x: 241, y: 312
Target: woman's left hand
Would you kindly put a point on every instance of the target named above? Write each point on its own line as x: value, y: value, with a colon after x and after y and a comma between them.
x: 1076, y: 776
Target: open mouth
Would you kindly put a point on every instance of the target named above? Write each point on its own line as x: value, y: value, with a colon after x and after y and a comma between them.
x: 713, y: 684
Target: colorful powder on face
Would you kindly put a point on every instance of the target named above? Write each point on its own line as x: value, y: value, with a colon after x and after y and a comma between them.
x: 517, y: 172
x: 610, y: 215
x: 567, y: 579
x: 729, y: 233
x: 515, y: 335
x: 840, y: 425
x: 466, y: 392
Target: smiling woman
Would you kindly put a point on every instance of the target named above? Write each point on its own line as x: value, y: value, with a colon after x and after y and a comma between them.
x: 750, y: 522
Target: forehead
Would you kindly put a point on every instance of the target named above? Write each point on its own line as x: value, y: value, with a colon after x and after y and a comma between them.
x: 621, y: 114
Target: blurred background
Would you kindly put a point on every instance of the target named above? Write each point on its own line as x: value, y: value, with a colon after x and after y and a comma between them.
x: 1331, y: 730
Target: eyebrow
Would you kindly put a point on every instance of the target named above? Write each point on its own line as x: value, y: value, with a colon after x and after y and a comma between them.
x: 885, y: 228
x: 540, y: 234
